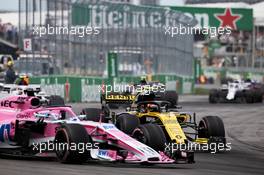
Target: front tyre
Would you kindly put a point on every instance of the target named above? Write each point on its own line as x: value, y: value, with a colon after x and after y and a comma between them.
x: 127, y: 123
x: 212, y: 128
x: 151, y: 135
x: 68, y: 135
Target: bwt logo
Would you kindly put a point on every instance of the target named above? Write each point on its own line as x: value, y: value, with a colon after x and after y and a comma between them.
x: 4, y: 132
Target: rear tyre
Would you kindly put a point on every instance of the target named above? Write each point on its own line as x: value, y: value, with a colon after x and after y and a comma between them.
x: 72, y: 134
x: 151, y: 135
x: 93, y: 114
x: 56, y: 100
x: 249, y: 97
x: 127, y: 123
x: 259, y: 97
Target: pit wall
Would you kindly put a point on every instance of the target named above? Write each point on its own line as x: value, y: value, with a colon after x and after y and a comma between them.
x: 87, y: 89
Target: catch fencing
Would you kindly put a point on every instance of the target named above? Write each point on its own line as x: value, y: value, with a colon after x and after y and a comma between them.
x: 135, y: 33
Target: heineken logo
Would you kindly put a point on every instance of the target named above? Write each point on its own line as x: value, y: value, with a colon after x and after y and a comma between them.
x: 116, y: 15
x: 228, y: 19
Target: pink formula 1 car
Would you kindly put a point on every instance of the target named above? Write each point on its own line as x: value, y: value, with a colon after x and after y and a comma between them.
x: 28, y: 128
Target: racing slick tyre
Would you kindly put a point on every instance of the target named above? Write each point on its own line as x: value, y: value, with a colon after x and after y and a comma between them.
x: 211, y: 127
x: 56, y: 100
x: 69, y: 134
x: 258, y: 97
x: 127, y: 123
x: 249, y: 96
x: 93, y: 114
x: 151, y: 135
x: 213, y: 96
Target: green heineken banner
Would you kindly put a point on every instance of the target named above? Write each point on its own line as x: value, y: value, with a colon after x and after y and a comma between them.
x: 112, y: 65
x: 236, y: 18
x: 125, y: 15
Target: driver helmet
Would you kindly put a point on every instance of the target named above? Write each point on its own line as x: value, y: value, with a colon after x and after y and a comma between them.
x: 23, y: 80
x: 10, y: 63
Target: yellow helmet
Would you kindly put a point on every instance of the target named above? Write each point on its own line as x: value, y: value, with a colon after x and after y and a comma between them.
x: 10, y: 63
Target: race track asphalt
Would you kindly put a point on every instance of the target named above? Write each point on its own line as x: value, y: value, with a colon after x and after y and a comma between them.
x: 244, y: 128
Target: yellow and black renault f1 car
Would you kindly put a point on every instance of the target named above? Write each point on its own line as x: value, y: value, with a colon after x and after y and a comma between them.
x: 160, y: 126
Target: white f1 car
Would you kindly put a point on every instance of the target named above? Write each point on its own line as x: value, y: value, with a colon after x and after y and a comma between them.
x: 239, y: 91
x: 7, y: 90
